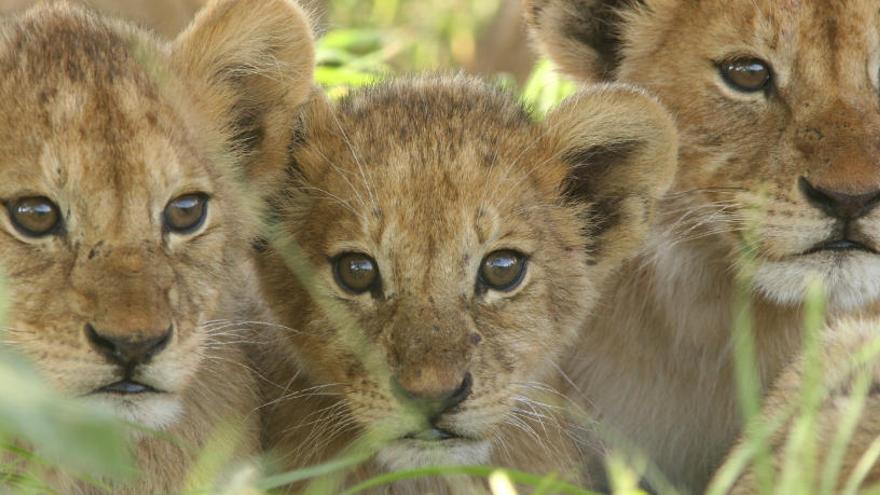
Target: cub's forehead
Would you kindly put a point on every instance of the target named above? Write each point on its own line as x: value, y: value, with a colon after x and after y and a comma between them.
x: 425, y: 141
x: 435, y: 127
x: 62, y: 64
x: 87, y: 106
x: 775, y: 22
x: 69, y: 44
x: 816, y: 44
x: 428, y: 160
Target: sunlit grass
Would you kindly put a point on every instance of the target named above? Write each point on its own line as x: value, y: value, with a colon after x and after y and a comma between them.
x: 372, y: 39
x: 425, y: 34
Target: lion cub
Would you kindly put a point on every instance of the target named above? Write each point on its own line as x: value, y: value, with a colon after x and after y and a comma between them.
x: 436, y: 253
x: 780, y: 174
x: 126, y: 219
x: 848, y: 356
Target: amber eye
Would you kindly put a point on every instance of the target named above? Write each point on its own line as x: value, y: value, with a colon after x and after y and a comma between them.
x: 503, y: 270
x: 185, y: 214
x: 748, y: 75
x: 356, y: 272
x: 35, y: 217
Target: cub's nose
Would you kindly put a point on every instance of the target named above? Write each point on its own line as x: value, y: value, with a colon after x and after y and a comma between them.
x: 128, y: 351
x: 842, y: 206
x: 440, y: 400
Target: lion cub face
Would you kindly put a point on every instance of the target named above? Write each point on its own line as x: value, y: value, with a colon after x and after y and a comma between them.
x: 444, y: 249
x: 776, y: 101
x: 122, y: 222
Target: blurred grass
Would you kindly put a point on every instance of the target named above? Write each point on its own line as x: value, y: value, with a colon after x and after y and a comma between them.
x: 372, y: 40
x: 420, y: 34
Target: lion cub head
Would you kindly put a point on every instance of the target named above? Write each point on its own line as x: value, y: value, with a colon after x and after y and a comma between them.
x: 442, y: 249
x: 123, y: 164
x: 776, y: 102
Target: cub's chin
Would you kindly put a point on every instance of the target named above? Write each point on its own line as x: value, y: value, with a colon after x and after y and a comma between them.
x: 150, y: 410
x: 851, y: 278
x: 412, y: 453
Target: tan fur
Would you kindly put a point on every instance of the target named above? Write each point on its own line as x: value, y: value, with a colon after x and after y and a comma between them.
x: 166, y: 17
x: 841, y: 371
x: 111, y: 124
x: 658, y: 367
x: 429, y: 176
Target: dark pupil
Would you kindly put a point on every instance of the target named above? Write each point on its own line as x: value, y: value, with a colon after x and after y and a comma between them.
x: 35, y: 215
x: 359, y: 272
x: 749, y: 75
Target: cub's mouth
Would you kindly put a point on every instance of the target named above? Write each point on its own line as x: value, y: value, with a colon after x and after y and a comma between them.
x: 434, y: 435
x: 840, y: 246
x: 126, y: 387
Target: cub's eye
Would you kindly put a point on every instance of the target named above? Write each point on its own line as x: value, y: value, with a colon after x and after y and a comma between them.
x: 35, y: 217
x: 356, y: 272
x: 748, y: 75
x: 503, y: 270
x: 185, y: 214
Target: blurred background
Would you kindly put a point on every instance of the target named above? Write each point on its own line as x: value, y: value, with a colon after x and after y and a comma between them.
x: 366, y: 38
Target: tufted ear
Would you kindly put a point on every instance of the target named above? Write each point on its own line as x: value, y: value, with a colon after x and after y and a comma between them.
x: 583, y: 37
x: 253, y: 63
x: 621, y: 148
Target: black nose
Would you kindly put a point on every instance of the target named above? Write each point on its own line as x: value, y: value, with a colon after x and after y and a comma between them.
x: 439, y: 403
x: 458, y: 395
x: 840, y: 205
x: 128, y: 351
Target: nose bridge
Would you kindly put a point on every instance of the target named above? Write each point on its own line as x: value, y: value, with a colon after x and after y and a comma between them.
x: 127, y: 287
x: 841, y: 147
x: 110, y: 212
x: 431, y: 347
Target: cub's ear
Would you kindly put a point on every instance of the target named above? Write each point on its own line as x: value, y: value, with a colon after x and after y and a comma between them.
x: 583, y: 37
x: 253, y: 63
x: 621, y: 147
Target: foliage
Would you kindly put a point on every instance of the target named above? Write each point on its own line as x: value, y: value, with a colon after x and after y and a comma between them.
x: 420, y: 34
x: 382, y: 37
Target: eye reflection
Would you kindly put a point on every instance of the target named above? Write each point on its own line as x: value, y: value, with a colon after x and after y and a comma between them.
x: 503, y: 270
x: 35, y: 217
x: 185, y: 214
x: 748, y: 75
x: 356, y: 273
